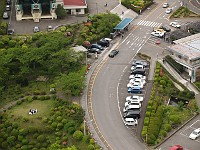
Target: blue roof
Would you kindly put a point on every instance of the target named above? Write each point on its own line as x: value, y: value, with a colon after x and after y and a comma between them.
x: 123, y: 24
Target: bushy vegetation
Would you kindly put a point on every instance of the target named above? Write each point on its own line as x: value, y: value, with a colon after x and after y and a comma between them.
x: 183, y: 12
x: 60, y: 122
x: 137, y: 5
x: 162, y: 118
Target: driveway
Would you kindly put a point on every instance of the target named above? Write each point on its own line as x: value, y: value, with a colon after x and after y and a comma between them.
x: 182, y: 137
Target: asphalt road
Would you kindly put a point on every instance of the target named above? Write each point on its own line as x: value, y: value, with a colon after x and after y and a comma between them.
x: 109, y: 89
x: 182, y: 137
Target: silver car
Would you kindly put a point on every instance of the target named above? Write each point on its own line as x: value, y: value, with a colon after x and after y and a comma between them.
x: 36, y: 29
x: 5, y: 15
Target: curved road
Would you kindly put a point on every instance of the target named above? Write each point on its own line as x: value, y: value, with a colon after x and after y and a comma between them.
x: 106, y: 94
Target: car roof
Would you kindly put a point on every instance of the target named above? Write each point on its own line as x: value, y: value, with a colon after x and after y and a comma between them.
x: 136, y: 87
x: 129, y: 119
x: 133, y: 112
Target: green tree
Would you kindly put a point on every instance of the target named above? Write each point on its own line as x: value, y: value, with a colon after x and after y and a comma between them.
x: 60, y: 12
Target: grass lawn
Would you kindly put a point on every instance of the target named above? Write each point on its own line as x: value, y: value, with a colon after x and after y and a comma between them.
x: 14, y: 92
x: 21, y: 114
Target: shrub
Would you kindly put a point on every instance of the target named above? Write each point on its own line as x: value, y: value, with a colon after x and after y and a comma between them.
x: 91, y: 147
x: 69, y: 124
x: 167, y: 127
x: 65, y: 138
x: 23, y: 132
x: 163, y: 82
x: 149, y: 108
x: 11, y: 140
x: 54, y: 124
x: 146, y: 121
x: 71, y: 130
x: 29, y: 98
x: 163, y: 133
x: 20, y: 138
x: 86, y: 138
x: 19, y: 102
x: 151, y: 139
x: 78, y: 135
x: 59, y: 125
x: 144, y: 131
x: 59, y: 118
x: 41, y: 138
x: 24, y: 141
x: 148, y: 114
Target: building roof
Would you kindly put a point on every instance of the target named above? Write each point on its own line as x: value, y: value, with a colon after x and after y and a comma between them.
x: 75, y: 2
x: 123, y: 23
x: 188, y: 47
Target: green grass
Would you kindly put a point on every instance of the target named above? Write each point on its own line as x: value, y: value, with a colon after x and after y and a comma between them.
x: 15, y: 92
x: 21, y: 114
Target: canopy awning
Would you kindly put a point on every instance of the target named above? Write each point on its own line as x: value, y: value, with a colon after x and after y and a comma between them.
x: 123, y: 24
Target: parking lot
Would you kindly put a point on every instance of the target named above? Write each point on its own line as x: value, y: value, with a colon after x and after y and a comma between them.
x: 182, y: 137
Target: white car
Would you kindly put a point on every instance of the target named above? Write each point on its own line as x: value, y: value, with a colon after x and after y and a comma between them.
x: 130, y: 121
x: 157, y: 34
x: 134, y: 97
x: 168, y: 10
x: 165, y: 5
x: 137, y: 67
x: 137, y: 76
x: 133, y: 102
x: 36, y: 29
x: 175, y: 24
x: 195, y: 134
x: 135, y: 84
x: 131, y: 107
x: 141, y: 81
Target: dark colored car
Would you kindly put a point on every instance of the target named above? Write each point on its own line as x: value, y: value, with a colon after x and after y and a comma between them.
x: 94, y: 50
x: 103, y: 43
x: 135, y: 89
x: 166, y: 28
x: 8, y: 2
x: 132, y: 114
x: 113, y: 53
x: 138, y: 71
x: 10, y: 31
x: 96, y: 46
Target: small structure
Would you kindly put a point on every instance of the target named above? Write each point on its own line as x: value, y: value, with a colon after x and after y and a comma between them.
x: 121, y: 27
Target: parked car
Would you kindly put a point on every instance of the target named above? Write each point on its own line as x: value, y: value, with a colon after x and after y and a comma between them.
x: 134, y: 97
x: 49, y: 28
x: 97, y: 46
x: 130, y: 122
x: 157, y: 34
x: 107, y: 39
x: 195, y: 134
x: 175, y: 24
x: 168, y: 10
x: 113, y: 53
x: 132, y: 114
x: 176, y: 147
x: 103, y: 43
x: 139, y: 76
x: 7, y: 7
x: 8, y: 2
x: 165, y: 5
x: 137, y: 67
x: 137, y: 80
x: 5, y: 15
x: 135, y: 84
x: 140, y: 62
x: 132, y: 107
x: 138, y: 71
x: 10, y: 31
x: 36, y: 29
x: 94, y: 50
x: 166, y: 28
x: 134, y: 102
x: 136, y: 90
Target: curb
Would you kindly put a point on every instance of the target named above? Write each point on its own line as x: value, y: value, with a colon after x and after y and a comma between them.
x: 176, y: 130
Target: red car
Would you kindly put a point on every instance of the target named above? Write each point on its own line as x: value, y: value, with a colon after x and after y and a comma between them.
x: 176, y: 147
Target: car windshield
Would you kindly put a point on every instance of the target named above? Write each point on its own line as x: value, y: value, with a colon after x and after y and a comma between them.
x: 195, y: 133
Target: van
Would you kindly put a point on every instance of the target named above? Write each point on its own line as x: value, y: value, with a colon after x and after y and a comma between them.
x: 132, y: 114
x: 138, y: 71
x: 130, y: 121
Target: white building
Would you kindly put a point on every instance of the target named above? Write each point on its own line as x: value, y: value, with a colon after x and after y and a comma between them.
x: 186, y: 52
x: 39, y: 9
